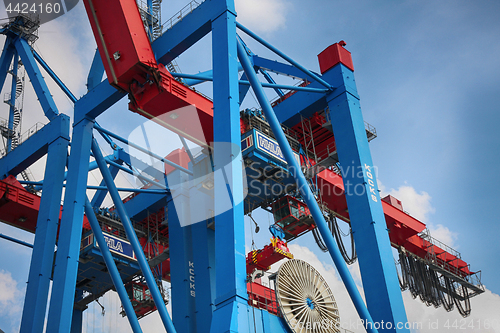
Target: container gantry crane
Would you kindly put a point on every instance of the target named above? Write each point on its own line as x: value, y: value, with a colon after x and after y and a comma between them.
x: 297, y: 144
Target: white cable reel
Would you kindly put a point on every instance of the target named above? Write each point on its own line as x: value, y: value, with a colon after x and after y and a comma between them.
x: 306, y: 302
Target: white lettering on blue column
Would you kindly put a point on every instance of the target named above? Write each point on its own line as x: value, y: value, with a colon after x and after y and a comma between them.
x: 191, y: 279
x: 371, y: 183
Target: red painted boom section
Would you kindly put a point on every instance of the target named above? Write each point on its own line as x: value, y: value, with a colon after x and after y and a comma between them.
x: 130, y: 64
x: 19, y: 208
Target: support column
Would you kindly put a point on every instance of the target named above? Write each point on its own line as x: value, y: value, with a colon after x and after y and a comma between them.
x: 37, y: 291
x: 305, y: 191
x: 181, y: 259
x: 231, y: 294
x: 378, y: 272
x: 70, y: 233
x: 77, y: 320
x: 203, y: 238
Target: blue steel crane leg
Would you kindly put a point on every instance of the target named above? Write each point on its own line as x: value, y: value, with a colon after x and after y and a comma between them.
x: 37, y: 81
x: 113, y: 270
x: 180, y: 258
x: 132, y: 237
x: 305, y: 191
x: 12, y: 107
x: 42, y: 259
x: 77, y: 319
x: 378, y: 272
x: 203, y: 257
x: 70, y: 232
x: 6, y: 59
x: 231, y: 297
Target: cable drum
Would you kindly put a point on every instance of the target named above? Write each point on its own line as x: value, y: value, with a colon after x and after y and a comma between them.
x: 306, y: 302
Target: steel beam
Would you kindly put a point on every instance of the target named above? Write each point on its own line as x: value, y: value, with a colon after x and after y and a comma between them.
x: 287, y: 87
x: 280, y: 68
x: 181, y: 257
x: 96, y: 71
x: 70, y: 233
x: 203, y: 256
x: 77, y: 320
x: 243, y: 88
x: 42, y: 91
x: 146, y: 151
x: 100, y: 195
x: 54, y: 76
x: 42, y: 259
x: 186, y: 32
x: 244, y: 82
x: 231, y: 292
x: 378, y: 272
x: 15, y: 240
x: 97, y: 100
x: 187, y: 149
x: 137, y: 164
x: 137, y: 174
x: 35, y: 147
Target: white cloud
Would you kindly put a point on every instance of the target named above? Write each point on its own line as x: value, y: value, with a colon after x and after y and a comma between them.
x: 262, y: 15
x: 416, y: 204
x: 483, y: 318
x: 419, y: 206
x: 67, y: 45
x: 11, y: 300
x: 8, y: 288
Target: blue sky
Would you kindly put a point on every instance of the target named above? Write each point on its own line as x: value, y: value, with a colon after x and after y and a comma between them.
x: 428, y: 76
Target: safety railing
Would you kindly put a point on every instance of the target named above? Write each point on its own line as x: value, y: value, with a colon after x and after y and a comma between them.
x: 371, y: 131
x: 254, y: 119
x: 266, y: 301
x: 25, y: 136
x: 30, y: 132
x: 181, y: 14
x: 432, y: 243
x: 329, y: 151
